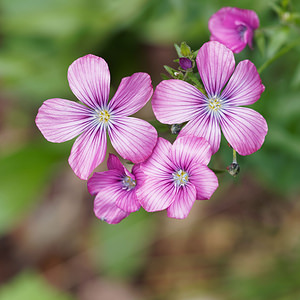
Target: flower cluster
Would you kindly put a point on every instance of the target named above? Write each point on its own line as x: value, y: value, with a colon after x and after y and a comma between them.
x: 164, y: 176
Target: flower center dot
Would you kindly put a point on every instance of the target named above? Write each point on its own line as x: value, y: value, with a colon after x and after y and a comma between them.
x: 180, y: 178
x: 128, y: 183
x: 104, y: 116
x: 214, y: 104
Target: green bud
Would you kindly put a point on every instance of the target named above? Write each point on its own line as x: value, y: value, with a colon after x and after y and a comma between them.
x: 185, y: 50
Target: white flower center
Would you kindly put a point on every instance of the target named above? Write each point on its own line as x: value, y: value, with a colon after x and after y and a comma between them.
x: 103, y: 116
x: 128, y: 183
x: 214, y: 104
x: 180, y: 178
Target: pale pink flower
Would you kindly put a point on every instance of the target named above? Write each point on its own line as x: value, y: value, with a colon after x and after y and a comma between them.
x: 115, y: 191
x: 233, y: 27
x: 174, y: 176
x: 60, y: 120
x: 176, y: 101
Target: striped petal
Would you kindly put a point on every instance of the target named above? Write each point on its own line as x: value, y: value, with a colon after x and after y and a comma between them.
x: 176, y: 101
x: 134, y: 139
x: 183, y: 202
x: 106, y: 210
x: 244, y: 86
x: 244, y: 129
x: 88, y: 152
x: 132, y: 94
x: 204, y: 180
x: 190, y: 150
x: 128, y: 201
x: 89, y: 80
x: 206, y: 126
x: 61, y: 120
x: 156, y: 194
x: 215, y: 63
x: 113, y: 162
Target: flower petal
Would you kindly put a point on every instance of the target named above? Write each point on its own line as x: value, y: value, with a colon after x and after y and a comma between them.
x: 89, y: 80
x: 106, y: 210
x: 156, y: 194
x: 188, y: 150
x: 244, y: 129
x: 159, y: 163
x: 132, y: 94
x: 128, y: 201
x: 244, y: 86
x: 233, y: 27
x: 88, y: 152
x: 204, y: 180
x: 134, y: 139
x: 113, y: 162
x: 215, y: 63
x: 176, y: 101
x: 206, y: 126
x: 61, y: 120
x: 183, y: 203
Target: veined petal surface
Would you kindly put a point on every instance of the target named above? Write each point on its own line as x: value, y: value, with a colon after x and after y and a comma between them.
x: 113, y: 162
x: 215, y: 63
x: 128, y: 201
x: 106, y: 210
x: 244, y: 129
x: 159, y: 163
x: 134, y: 139
x: 188, y: 150
x: 132, y: 94
x: 244, y: 86
x: 156, y: 193
x: 184, y: 200
x: 88, y: 151
x: 204, y: 180
x: 89, y: 80
x: 176, y: 101
x: 206, y: 126
x: 61, y: 120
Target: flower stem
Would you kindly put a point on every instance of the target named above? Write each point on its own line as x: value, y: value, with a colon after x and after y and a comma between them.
x: 284, y: 50
x: 234, y: 158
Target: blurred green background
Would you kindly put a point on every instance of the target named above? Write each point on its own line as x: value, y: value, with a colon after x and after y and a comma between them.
x: 242, y: 244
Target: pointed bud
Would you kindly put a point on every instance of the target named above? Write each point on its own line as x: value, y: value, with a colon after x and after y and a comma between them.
x: 233, y: 169
x: 185, y: 49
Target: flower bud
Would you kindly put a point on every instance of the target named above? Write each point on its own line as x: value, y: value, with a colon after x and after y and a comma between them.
x: 233, y: 169
x: 185, y: 63
x: 185, y: 49
x: 175, y: 128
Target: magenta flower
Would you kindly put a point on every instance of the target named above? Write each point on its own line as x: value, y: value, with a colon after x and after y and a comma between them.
x: 233, y: 27
x: 176, y: 101
x: 60, y: 120
x: 174, y: 176
x: 115, y: 191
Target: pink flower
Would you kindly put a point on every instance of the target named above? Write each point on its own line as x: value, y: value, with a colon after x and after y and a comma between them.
x: 176, y: 101
x: 233, y: 27
x: 115, y: 191
x: 60, y: 120
x: 174, y: 176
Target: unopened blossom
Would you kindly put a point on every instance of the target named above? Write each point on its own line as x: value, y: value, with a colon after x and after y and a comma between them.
x: 227, y: 89
x: 233, y: 27
x: 115, y: 191
x: 174, y: 176
x: 60, y: 120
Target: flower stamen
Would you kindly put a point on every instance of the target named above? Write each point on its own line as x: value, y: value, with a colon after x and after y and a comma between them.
x: 180, y: 178
x: 128, y: 183
x: 214, y: 104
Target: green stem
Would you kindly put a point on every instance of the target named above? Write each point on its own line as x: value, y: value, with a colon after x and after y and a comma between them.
x: 234, y: 158
x: 284, y: 50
